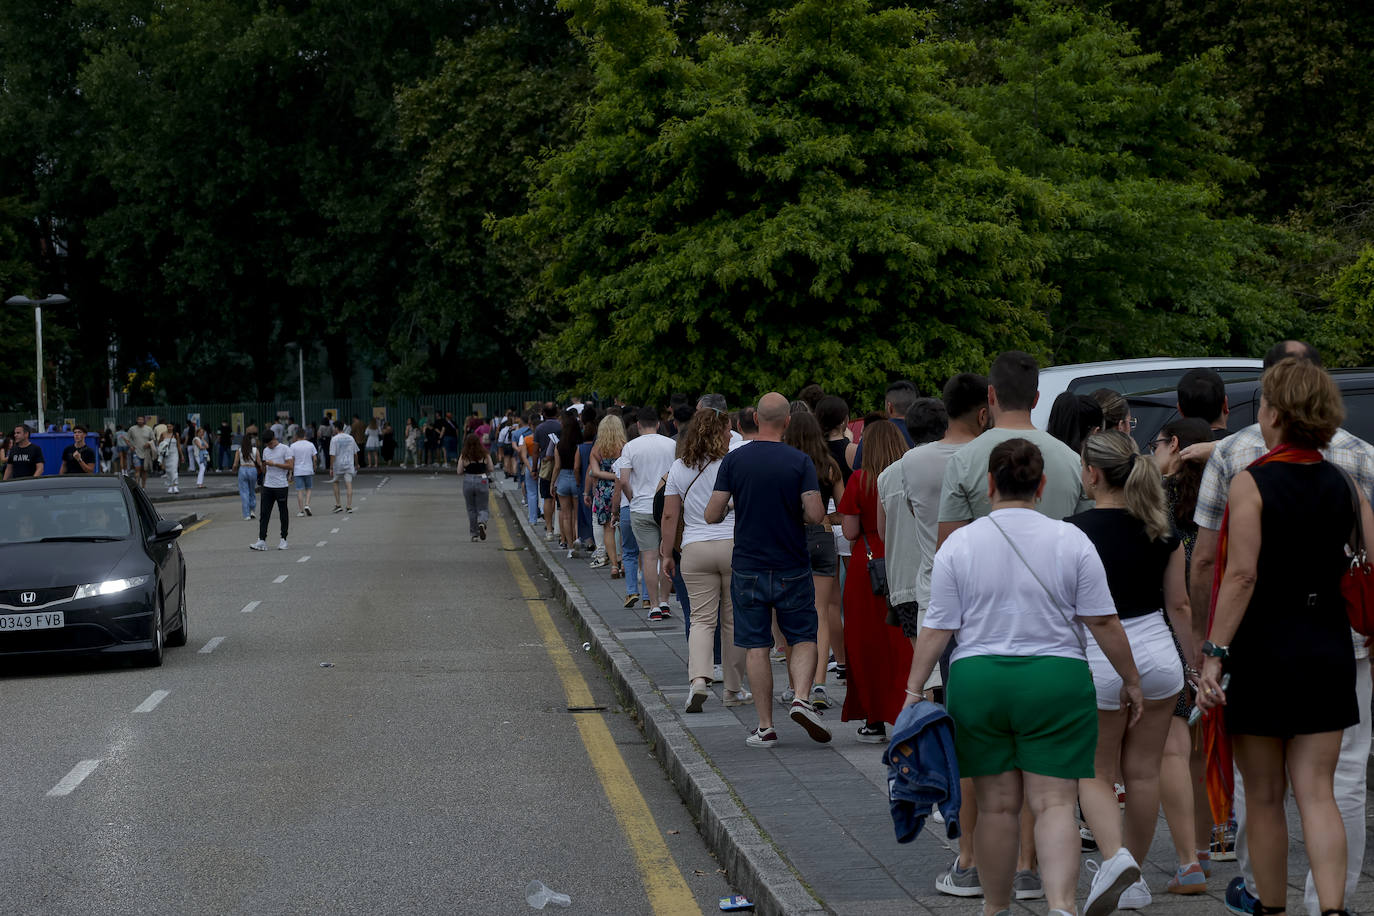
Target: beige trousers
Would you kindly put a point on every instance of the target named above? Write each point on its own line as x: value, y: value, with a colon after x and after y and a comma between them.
x: 706, y: 572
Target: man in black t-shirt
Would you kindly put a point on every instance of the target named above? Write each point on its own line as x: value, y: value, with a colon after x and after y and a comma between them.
x: 26, y: 459
x: 78, y: 458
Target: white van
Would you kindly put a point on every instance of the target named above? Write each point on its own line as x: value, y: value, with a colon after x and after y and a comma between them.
x: 1132, y: 377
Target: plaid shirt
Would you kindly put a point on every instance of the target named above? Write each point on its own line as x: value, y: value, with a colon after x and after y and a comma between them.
x: 1235, y: 453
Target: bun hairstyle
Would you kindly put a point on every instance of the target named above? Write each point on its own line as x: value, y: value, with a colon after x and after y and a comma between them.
x: 1115, y: 454
x: 1017, y: 467
x: 1114, y: 407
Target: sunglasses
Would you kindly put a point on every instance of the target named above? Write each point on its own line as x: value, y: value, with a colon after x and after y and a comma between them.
x: 1157, y: 443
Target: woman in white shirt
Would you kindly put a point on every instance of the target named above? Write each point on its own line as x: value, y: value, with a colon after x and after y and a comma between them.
x: 1015, y: 587
x: 706, y: 552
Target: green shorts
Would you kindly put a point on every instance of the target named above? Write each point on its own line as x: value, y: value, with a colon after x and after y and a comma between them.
x: 1037, y: 715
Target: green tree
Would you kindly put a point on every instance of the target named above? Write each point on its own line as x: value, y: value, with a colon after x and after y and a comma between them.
x: 804, y: 204
x: 1145, y: 260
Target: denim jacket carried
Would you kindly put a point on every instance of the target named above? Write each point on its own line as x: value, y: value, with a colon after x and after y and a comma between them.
x: 922, y: 770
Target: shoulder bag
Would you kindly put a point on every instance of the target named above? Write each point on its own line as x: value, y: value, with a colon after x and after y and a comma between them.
x: 1357, y: 583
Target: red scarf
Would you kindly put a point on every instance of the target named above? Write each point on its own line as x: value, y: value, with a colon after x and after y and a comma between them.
x: 1216, y: 743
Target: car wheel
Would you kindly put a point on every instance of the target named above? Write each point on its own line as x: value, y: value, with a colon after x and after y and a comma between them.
x: 179, y: 636
x: 152, y: 658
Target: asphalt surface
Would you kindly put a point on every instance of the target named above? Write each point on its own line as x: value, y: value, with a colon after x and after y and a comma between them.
x: 372, y: 721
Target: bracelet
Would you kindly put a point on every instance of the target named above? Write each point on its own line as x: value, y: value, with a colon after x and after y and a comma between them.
x: 912, y: 693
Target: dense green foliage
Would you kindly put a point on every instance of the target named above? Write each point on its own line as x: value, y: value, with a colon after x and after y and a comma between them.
x: 642, y: 196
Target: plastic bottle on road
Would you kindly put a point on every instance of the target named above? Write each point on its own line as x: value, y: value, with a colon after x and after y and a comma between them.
x: 540, y: 896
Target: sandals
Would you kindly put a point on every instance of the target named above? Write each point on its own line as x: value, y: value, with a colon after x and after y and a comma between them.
x: 617, y: 571
x: 631, y: 600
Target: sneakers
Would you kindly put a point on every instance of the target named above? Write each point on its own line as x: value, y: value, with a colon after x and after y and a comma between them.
x: 1204, y: 858
x: 548, y: 535
x: 259, y: 544
x: 1026, y: 885
x: 1135, y: 897
x: 696, y: 697
x: 805, y: 715
x: 247, y: 518
x: 349, y: 510
x: 631, y: 600
x: 599, y: 562
x: 717, y: 674
x: 281, y: 545
x: 665, y: 612
x: 739, y: 697
x: 1085, y: 838
x: 646, y: 605
x: 300, y: 514
x: 873, y: 734
x: 787, y: 696
x: 338, y: 509
x: 762, y: 737
x: 308, y: 512
x: 819, y: 698
x: 1120, y: 795
x: 657, y: 616
x: 935, y: 814
x: 841, y: 673
x: 482, y: 530
x: 775, y: 656
x: 960, y: 882
x: 1110, y: 880
x: 1190, y: 880
x: 1239, y: 900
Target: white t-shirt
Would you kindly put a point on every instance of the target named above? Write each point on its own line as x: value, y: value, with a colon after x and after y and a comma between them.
x: 275, y: 476
x: 304, y: 452
x: 618, y: 467
x: 681, y: 480
x: 342, y: 448
x: 647, y: 458
x: 980, y: 587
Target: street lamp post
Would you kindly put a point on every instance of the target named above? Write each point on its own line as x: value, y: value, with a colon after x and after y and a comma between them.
x: 51, y: 299
x: 300, y: 369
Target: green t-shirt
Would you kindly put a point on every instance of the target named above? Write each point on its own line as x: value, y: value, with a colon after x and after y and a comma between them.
x: 964, y: 491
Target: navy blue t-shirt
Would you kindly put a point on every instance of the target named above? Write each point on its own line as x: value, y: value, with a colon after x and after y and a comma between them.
x: 767, y: 480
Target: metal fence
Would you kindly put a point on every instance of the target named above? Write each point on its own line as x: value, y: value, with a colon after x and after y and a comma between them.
x: 396, y: 410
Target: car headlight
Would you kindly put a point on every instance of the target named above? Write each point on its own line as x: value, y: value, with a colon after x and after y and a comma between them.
x: 109, y: 587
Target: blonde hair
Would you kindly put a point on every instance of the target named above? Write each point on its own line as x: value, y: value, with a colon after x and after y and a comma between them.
x: 610, y: 437
x: 1115, y: 454
x: 1306, y: 402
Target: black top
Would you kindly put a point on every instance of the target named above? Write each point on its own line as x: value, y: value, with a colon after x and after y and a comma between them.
x: 567, y: 452
x: 1134, y: 561
x: 24, y: 459
x: 475, y: 467
x: 69, y: 458
x: 837, y: 448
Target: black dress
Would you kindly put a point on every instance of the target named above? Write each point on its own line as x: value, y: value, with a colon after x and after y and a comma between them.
x: 1292, y: 660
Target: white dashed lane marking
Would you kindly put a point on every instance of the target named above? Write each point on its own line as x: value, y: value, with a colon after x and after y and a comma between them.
x: 250, y: 607
x: 211, y: 645
x: 321, y: 543
x: 74, y: 778
x: 304, y: 558
x: 333, y: 530
x: 154, y: 698
x: 279, y: 580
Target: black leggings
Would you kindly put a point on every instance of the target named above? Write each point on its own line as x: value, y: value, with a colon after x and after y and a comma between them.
x: 272, y: 496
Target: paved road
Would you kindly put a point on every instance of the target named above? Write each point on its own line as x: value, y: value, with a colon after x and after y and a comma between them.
x: 434, y: 767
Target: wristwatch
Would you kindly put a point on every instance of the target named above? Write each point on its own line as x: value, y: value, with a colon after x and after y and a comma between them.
x: 1215, y: 651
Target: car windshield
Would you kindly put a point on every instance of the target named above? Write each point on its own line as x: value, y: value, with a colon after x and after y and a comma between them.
x: 63, y: 515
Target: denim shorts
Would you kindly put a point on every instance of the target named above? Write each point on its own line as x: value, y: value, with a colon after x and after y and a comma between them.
x: 305, y: 481
x: 566, y: 484
x: 820, y: 543
x: 758, y: 593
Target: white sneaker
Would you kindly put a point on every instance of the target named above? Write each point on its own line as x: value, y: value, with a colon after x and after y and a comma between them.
x: 935, y: 814
x: 259, y: 544
x: 281, y: 545
x: 717, y: 674
x: 300, y: 514
x: 1110, y: 880
x: 1135, y: 897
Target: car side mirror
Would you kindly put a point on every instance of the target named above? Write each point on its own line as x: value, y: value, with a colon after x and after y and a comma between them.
x: 166, y: 530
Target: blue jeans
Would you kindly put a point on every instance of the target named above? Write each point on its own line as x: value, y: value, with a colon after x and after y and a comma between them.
x: 761, y: 596
x: 226, y: 457
x: 584, y: 516
x: 532, y: 498
x: 635, y: 583
x: 248, y: 489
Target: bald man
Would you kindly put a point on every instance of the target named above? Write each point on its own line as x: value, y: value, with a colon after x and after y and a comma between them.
x: 775, y: 494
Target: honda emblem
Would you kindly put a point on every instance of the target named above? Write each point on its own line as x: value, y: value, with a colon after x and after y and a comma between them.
x: 28, y: 597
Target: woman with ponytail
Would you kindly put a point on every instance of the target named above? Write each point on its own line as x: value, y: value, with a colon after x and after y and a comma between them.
x: 1144, y: 560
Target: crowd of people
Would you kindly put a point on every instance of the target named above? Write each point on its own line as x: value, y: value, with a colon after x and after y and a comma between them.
x: 1053, y: 588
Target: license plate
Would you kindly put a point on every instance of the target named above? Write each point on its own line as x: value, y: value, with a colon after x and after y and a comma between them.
x: 41, y: 620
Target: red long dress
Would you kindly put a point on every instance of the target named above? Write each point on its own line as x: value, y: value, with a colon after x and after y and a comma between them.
x: 879, y: 656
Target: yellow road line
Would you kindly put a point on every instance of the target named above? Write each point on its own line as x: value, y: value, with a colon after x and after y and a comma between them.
x: 667, y: 890
x: 196, y: 527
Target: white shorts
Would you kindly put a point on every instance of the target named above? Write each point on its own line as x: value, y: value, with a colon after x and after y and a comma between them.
x: 843, y: 545
x: 1156, y: 658
x: 345, y: 476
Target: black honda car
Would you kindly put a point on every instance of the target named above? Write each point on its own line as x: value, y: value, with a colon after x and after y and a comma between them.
x: 88, y: 566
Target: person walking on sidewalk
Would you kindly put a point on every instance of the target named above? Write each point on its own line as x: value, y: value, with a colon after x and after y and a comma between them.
x: 475, y: 468
x: 141, y: 442
x: 169, y: 451
x: 706, y: 556
x: 77, y: 458
x: 303, y: 453
x: 276, y: 463
x: 775, y: 493
x: 343, y: 451
x: 646, y: 460
x: 1019, y: 684
x: 600, y: 491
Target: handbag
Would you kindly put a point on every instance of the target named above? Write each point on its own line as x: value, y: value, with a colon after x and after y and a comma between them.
x: 1357, y: 583
x: 877, y: 571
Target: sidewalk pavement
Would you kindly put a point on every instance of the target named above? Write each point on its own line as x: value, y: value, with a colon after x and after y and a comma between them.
x: 803, y: 828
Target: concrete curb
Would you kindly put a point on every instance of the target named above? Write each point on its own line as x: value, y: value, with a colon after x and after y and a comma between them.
x: 752, y: 862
